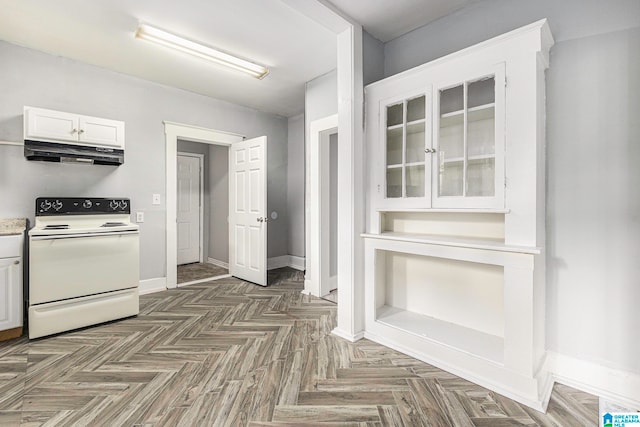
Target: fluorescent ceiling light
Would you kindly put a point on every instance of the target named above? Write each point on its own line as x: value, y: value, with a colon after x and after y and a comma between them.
x: 147, y: 32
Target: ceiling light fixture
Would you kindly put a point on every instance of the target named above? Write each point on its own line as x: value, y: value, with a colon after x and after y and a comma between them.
x: 147, y: 32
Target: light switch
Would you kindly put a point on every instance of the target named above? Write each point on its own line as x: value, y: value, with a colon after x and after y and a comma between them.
x: 156, y: 199
x: 139, y: 216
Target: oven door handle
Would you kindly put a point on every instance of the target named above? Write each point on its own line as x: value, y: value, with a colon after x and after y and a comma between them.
x: 76, y: 236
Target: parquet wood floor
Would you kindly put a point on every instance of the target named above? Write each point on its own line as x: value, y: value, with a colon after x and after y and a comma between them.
x: 229, y: 353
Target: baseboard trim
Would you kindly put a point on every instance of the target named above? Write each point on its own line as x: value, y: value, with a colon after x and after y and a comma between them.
x: 619, y: 387
x: 347, y: 336
x: 297, y: 262
x: 208, y: 279
x: 218, y: 263
x: 149, y: 286
x: 292, y: 261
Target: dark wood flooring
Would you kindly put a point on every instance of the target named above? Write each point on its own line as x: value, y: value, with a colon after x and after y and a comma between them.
x: 229, y: 353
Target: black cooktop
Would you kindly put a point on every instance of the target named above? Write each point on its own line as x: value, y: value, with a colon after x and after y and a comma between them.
x: 51, y: 206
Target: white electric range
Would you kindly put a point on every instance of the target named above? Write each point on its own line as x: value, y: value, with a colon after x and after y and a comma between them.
x: 83, y: 264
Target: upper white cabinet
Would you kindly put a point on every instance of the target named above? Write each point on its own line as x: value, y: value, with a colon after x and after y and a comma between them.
x: 57, y: 126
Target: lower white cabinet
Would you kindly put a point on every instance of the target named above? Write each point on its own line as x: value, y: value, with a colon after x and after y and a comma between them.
x: 11, y: 286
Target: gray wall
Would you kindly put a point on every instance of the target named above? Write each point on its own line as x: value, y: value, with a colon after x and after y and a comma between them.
x: 333, y: 204
x: 199, y: 148
x: 28, y: 77
x: 219, y: 202
x: 593, y: 209
x: 372, y: 59
x: 321, y: 99
x: 295, y: 185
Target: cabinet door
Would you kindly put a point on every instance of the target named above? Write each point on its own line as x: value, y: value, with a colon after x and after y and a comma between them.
x: 97, y: 131
x: 50, y: 126
x: 10, y: 293
x: 406, y: 135
x: 468, y: 135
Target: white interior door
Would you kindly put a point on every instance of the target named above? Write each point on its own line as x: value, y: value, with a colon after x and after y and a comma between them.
x: 189, y: 202
x: 247, y: 210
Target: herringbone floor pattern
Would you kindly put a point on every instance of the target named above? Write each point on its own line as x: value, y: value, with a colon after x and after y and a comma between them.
x: 232, y: 353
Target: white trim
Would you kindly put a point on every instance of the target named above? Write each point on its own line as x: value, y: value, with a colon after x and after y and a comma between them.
x: 173, y: 132
x: 347, y: 336
x: 614, y: 385
x: 316, y: 246
x: 218, y: 263
x: 200, y: 157
x: 149, y: 286
x: 207, y: 279
x: 18, y: 143
x: 297, y: 262
x: 277, y: 262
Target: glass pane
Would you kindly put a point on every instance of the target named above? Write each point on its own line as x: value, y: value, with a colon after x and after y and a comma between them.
x: 394, y: 146
x: 451, y: 100
x: 394, y: 115
x: 481, y: 178
x: 394, y: 182
x: 415, y: 181
x: 481, y: 132
x: 481, y: 92
x: 450, y: 178
x: 415, y: 109
x: 415, y: 143
x: 451, y: 139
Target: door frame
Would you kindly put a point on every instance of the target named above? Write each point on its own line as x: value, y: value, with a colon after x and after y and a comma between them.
x: 174, y: 131
x: 316, y: 279
x: 200, y: 158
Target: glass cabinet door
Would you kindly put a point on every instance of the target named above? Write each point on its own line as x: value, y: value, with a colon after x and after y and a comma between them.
x: 466, y: 168
x: 405, y: 148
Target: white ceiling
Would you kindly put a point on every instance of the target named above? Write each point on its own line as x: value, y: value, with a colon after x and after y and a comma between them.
x: 268, y: 32
x: 388, y: 19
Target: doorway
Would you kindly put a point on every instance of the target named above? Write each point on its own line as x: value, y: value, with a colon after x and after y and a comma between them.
x: 321, y: 278
x: 202, y: 210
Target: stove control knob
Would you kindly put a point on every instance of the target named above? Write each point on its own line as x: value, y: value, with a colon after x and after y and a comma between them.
x: 57, y: 205
x: 45, y: 205
x: 87, y: 204
x: 114, y: 205
x: 123, y: 204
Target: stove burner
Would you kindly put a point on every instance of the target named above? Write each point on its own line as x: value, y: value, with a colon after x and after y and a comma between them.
x: 113, y: 224
x: 57, y: 227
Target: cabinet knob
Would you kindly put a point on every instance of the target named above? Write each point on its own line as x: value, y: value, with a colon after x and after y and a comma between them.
x: 81, y: 131
x: 16, y: 262
x: 429, y: 150
x: 74, y: 131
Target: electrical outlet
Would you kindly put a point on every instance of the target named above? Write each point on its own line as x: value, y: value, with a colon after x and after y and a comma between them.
x: 156, y: 199
x: 139, y: 216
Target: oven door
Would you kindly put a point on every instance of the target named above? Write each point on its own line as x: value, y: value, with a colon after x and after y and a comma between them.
x: 63, y: 267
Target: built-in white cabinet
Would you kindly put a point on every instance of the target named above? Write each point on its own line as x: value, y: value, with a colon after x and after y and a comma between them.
x: 454, y: 246
x: 442, y: 143
x: 11, y: 268
x: 58, y: 126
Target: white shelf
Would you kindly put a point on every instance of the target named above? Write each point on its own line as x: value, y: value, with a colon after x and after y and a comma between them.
x: 434, y: 210
x: 470, y: 158
x: 478, y: 343
x: 415, y: 122
x: 394, y: 127
x: 396, y: 166
x: 414, y: 164
x: 470, y: 110
x: 455, y: 241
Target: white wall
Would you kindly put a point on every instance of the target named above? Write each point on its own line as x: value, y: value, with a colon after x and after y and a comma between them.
x: 321, y: 99
x: 333, y: 204
x: 295, y: 185
x: 28, y: 77
x: 593, y: 209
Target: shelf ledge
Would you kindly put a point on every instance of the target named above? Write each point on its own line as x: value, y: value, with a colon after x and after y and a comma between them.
x: 477, y: 343
x: 450, y: 210
x: 459, y: 242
